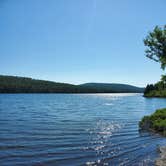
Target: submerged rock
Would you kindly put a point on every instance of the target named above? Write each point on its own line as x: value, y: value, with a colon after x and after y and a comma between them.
x: 162, y: 160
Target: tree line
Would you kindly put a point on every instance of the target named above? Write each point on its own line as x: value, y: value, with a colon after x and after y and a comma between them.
x: 13, y: 84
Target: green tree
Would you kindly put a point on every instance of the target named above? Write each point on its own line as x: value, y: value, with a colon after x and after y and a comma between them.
x: 156, y: 45
x: 163, y: 79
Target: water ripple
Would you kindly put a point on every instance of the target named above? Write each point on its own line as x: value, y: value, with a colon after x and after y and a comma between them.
x: 81, y: 129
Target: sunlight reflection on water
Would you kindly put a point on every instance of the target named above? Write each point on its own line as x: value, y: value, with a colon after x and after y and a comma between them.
x: 76, y: 129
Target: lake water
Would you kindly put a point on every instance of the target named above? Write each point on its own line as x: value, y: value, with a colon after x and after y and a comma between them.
x: 76, y: 129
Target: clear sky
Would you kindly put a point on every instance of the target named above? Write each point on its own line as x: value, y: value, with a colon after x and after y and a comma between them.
x: 79, y: 41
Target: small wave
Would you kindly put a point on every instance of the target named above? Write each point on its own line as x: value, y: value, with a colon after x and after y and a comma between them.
x: 108, y: 104
x: 89, y: 163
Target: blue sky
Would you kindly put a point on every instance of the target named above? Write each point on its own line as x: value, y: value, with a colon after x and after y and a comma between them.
x: 79, y: 41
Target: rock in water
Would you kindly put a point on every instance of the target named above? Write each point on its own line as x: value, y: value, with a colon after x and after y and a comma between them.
x: 162, y: 160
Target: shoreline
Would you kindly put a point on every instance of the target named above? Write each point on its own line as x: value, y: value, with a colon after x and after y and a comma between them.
x: 161, y: 161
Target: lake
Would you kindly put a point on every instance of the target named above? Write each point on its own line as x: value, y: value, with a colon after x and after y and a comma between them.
x: 76, y: 129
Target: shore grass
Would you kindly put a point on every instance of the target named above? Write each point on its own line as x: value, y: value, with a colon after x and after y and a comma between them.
x: 155, y: 122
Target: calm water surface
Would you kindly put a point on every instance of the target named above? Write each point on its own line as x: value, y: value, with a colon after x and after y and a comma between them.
x: 76, y: 129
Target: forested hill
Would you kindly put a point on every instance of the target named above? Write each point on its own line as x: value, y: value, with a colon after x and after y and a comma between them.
x: 14, y: 84
x: 117, y: 88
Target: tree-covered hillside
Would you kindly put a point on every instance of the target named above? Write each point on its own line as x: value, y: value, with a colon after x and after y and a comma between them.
x: 105, y: 87
x: 13, y: 84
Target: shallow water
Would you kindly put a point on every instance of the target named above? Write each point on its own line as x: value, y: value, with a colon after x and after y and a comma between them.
x: 76, y: 129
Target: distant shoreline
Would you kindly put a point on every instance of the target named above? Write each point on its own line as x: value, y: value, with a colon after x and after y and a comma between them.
x: 77, y: 93
x: 14, y: 84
